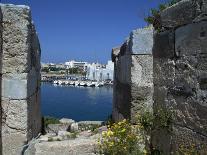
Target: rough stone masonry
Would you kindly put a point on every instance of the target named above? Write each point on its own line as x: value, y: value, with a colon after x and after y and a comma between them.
x: 133, y: 71
x: 20, y: 79
x: 180, y: 79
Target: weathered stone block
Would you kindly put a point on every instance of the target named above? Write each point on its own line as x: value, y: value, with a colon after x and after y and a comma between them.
x: 133, y: 87
x: 20, y: 86
x: 142, y: 70
x: 179, y: 87
x: 16, y: 41
x: 191, y: 39
x: 14, y: 88
x: 141, y: 41
x: 163, y: 72
x: 11, y: 143
x: 20, y: 69
x: 14, y: 116
x: 179, y: 14
x: 164, y: 45
x: 123, y: 70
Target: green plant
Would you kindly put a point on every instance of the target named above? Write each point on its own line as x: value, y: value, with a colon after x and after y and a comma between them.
x: 146, y: 119
x: 73, y: 135
x: 163, y: 118
x: 58, y: 139
x: 121, y: 138
x: 187, y: 150
x: 50, y: 120
x: 50, y: 139
x: 154, y: 16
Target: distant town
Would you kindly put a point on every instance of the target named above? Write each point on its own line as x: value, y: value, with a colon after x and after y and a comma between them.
x: 77, y: 71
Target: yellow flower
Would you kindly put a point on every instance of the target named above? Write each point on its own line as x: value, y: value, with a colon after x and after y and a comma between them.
x: 104, y: 133
x: 123, y: 130
x: 110, y: 133
x: 145, y: 151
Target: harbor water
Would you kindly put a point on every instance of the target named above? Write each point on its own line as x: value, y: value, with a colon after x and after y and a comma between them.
x: 78, y: 103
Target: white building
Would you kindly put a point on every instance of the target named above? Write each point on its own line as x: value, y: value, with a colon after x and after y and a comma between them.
x: 100, y: 72
x: 76, y: 64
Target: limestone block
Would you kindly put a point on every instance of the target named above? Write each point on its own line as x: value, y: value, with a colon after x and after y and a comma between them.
x: 123, y: 72
x: 66, y: 121
x: 14, y: 88
x: 141, y: 41
x: 35, y: 50
x: 20, y: 69
x: 142, y: 70
x: 12, y: 144
x: 74, y: 127
x: 14, y: 116
x: 54, y: 128
x: 176, y: 15
x: 179, y: 87
x: 163, y: 72
x: 141, y: 99
x: 123, y: 101
x: 16, y: 43
x: 164, y: 45
x: 191, y: 39
x: 69, y: 147
x: 90, y: 123
x: 34, y: 115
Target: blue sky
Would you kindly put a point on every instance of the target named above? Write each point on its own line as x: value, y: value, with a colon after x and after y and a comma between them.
x: 84, y: 29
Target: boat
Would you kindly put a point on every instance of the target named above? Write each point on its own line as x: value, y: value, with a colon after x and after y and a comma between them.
x: 72, y: 82
x: 55, y: 82
x: 59, y: 82
x: 83, y: 83
x: 99, y: 84
x: 77, y: 83
x: 90, y: 84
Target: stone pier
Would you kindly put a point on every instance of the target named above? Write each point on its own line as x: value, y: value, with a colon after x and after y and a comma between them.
x: 133, y: 71
x: 180, y: 79
x: 20, y: 79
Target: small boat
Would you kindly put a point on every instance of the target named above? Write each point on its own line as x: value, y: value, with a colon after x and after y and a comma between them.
x: 77, y: 83
x: 55, y: 82
x: 90, y: 84
x: 83, y: 84
x: 72, y: 82
x: 59, y: 82
x: 99, y: 84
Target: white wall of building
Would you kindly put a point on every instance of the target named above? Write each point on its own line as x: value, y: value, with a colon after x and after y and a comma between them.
x: 99, y: 73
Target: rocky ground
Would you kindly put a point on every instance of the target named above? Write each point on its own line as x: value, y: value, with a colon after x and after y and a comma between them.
x: 67, y: 137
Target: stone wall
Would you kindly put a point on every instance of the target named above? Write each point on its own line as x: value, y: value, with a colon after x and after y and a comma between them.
x: 20, y: 79
x: 133, y: 87
x: 180, y: 79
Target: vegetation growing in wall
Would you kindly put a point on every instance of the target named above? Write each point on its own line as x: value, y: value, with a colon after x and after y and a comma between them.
x: 154, y: 17
x: 163, y: 118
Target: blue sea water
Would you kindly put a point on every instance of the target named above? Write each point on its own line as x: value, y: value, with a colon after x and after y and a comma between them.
x: 78, y: 103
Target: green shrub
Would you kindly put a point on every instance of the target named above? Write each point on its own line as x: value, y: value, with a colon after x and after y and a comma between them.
x: 146, y: 120
x: 72, y: 135
x: 50, y: 139
x: 50, y: 120
x: 163, y: 118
